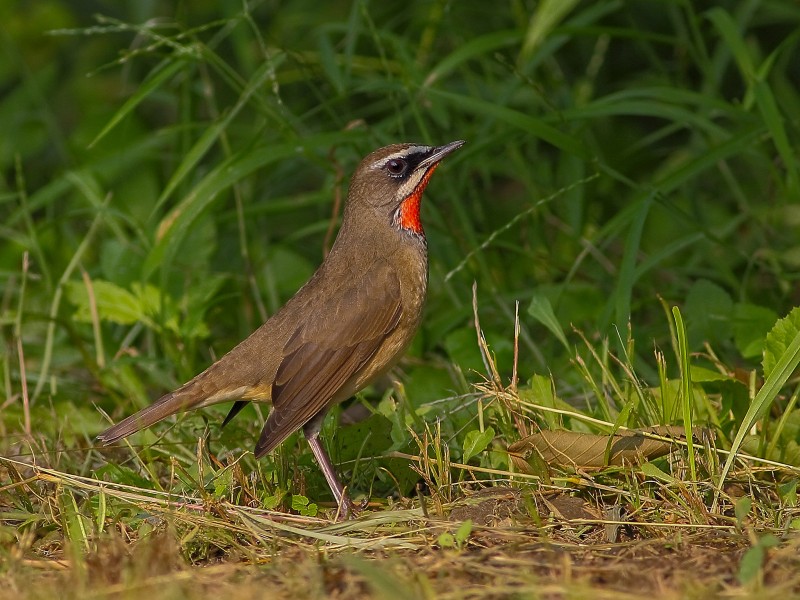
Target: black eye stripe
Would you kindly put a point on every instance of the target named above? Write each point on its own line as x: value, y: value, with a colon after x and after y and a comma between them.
x: 409, y: 162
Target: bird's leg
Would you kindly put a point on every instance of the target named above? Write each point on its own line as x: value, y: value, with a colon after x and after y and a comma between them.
x: 346, y: 507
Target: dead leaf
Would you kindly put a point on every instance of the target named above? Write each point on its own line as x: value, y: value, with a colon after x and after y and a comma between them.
x: 589, y: 450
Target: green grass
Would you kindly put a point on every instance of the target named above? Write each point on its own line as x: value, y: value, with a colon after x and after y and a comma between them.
x: 630, y: 187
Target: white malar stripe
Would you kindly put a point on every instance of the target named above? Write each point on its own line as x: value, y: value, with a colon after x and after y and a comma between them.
x: 410, y: 184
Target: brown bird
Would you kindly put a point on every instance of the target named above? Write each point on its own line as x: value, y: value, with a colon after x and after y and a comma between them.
x: 344, y: 328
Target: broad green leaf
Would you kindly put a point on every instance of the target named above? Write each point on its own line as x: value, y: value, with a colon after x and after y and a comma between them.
x: 463, y: 532
x: 76, y: 525
x: 779, y: 339
x: 462, y: 349
x: 426, y: 383
x: 285, y: 269
x: 751, y: 323
x: 753, y: 559
x: 113, y: 303
x: 703, y: 375
x: 708, y: 313
x: 742, y: 509
x: 476, y: 442
x: 367, y: 438
x: 302, y: 505
x: 751, y: 564
x: 446, y: 540
x: 788, y: 492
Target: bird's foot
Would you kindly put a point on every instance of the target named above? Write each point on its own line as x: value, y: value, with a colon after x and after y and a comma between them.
x: 346, y: 509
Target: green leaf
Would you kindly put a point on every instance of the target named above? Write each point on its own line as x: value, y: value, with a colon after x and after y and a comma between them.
x: 753, y: 559
x: 302, y: 505
x: 751, y: 323
x: 76, y: 526
x: 576, y: 300
x: 788, y: 492
x: 742, y: 509
x: 703, y: 375
x: 163, y: 72
x: 687, y: 397
x: 113, y: 303
x: 548, y: 14
x: 463, y: 350
x: 781, y: 357
x: 729, y: 31
x: 751, y: 564
x: 541, y: 310
x: 446, y: 540
x: 779, y: 339
x: 486, y: 109
x: 285, y: 270
x: 651, y: 470
x: 619, y: 302
x: 540, y: 392
x: 476, y: 442
x: 121, y: 474
x: 212, y: 132
x: 425, y: 383
x: 223, y: 482
x: 369, y: 437
x: 179, y: 222
x: 708, y: 313
x: 470, y: 49
x: 463, y: 532
x: 119, y: 262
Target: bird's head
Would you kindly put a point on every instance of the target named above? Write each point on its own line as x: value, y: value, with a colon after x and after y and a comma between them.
x: 389, y: 182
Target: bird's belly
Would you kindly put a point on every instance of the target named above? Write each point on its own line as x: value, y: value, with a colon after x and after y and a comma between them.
x: 387, y: 356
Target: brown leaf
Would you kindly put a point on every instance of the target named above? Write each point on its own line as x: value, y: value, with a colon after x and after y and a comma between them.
x: 589, y: 450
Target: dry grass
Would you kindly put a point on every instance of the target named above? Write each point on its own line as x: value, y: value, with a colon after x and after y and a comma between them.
x: 525, y: 540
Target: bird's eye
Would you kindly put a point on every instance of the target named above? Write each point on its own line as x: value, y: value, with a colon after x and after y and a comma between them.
x: 396, y: 166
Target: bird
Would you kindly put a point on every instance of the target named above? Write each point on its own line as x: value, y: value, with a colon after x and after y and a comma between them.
x: 348, y: 325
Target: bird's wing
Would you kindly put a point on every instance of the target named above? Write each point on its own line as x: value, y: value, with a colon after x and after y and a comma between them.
x: 328, y: 349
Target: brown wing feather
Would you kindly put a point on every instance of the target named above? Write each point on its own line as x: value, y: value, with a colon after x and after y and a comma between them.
x: 328, y: 351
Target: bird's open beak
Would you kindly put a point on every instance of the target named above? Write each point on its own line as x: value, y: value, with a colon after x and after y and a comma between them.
x: 439, y: 153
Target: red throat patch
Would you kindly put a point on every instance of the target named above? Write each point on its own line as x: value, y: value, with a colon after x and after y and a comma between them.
x: 409, y: 207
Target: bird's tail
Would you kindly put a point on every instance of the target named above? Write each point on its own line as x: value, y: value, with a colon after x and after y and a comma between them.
x: 194, y: 394
x: 167, y: 405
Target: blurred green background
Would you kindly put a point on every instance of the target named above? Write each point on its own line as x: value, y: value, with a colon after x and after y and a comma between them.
x: 170, y: 171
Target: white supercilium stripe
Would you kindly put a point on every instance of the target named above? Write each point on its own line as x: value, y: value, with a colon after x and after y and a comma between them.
x: 402, y: 154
